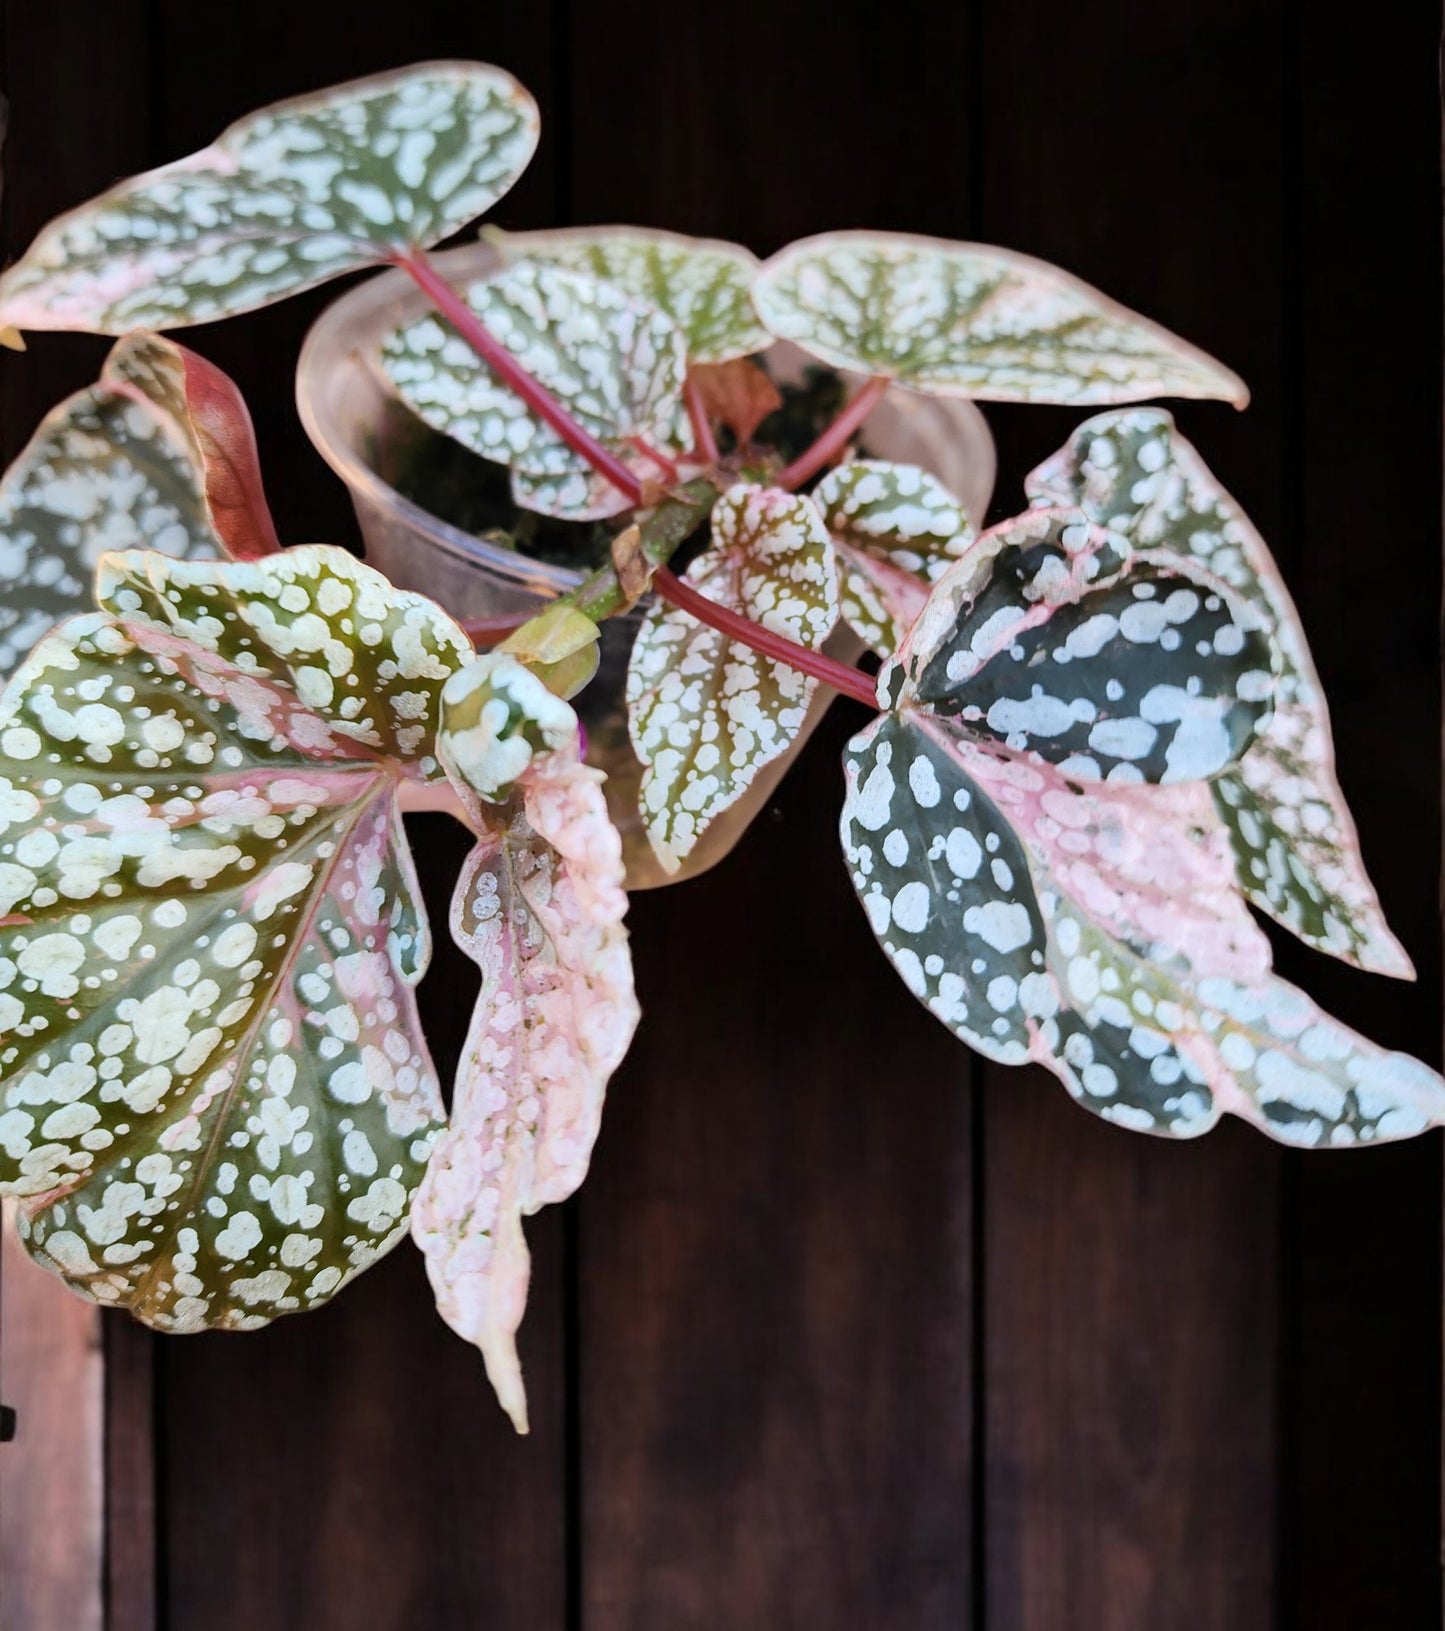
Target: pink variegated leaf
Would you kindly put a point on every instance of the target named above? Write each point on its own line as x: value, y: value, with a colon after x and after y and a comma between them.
x: 1295, y: 846
x: 1098, y: 933
x: 897, y: 530
x: 1049, y: 634
x: 705, y: 712
x: 539, y: 907
x: 282, y: 200
x: 215, y: 1098
x: 960, y: 319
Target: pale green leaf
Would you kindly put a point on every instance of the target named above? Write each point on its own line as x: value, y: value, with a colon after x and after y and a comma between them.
x: 706, y: 713
x: 1295, y: 846
x: 897, y: 530
x: 703, y: 284
x: 970, y: 320
x: 1098, y: 933
x: 539, y: 908
x: 616, y: 365
x: 282, y: 200
x: 215, y: 1097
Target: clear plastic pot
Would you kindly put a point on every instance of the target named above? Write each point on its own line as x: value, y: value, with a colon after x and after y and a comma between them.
x: 352, y: 415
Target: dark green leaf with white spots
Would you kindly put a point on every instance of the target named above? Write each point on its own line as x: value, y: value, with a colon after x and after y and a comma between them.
x: 1295, y: 845
x: 616, y: 364
x: 702, y: 284
x: 284, y: 199
x: 964, y: 319
x: 1051, y: 638
x: 897, y: 530
x: 1099, y: 933
x: 215, y: 1098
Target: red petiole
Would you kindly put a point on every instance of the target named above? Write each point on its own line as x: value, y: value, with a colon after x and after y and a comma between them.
x: 829, y: 446
x: 850, y: 681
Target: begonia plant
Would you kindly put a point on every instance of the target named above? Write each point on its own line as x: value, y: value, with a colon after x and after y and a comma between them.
x: 1097, y: 738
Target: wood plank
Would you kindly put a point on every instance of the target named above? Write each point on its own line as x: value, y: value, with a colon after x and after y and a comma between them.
x: 775, y: 1321
x: 1363, y: 1352
x: 352, y: 1467
x: 1129, y: 1391
x: 52, y: 1487
x: 77, y: 116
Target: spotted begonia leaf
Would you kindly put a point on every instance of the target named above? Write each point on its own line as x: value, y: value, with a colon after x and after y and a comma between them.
x: 1098, y: 933
x: 703, y: 284
x: 897, y: 530
x: 1295, y: 846
x: 283, y: 200
x: 969, y: 320
x: 705, y: 712
x: 215, y: 1097
x: 616, y: 364
x: 1052, y: 636
x: 115, y: 466
x: 539, y: 908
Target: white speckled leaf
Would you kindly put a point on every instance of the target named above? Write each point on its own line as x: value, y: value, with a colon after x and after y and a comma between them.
x: 970, y: 320
x: 705, y: 712
x: 215, y: 1097
x: 1295, y: 845
x: 539, y: 908
x: 109, y: 468
x: 1098, y: 933
x: 616, y: 364
x: 897, y: 530
x: 282, y: 200
x: 703, y: 284
x: 1052, y: 636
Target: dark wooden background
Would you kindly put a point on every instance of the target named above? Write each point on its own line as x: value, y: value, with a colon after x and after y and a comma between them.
x: 846, y: 1330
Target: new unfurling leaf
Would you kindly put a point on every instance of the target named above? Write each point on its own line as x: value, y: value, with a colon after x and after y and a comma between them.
x: 283, y: 200
x: 971, y: 320
x: 539, y: 909
x: 215, y: 1097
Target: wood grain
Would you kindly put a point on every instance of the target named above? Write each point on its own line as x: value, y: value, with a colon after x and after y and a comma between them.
x: 776, y: 1318
x: 1132, y: 1285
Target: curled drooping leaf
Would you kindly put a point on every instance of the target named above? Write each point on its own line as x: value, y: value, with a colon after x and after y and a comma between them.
x: 211, y: 417
x: 971, y: 320
x: 283, y: 200
x: 897, y: 530
x: 705, y: 712
x: 539, y: 908
x: 702, y: 284
x: 615, y: 364
x: 116, y: 466
x: 1052, y: 636
x: 215, y: 1097
x: 738, y: 394
x: 1098, y: 933
x: 1295, y: 846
